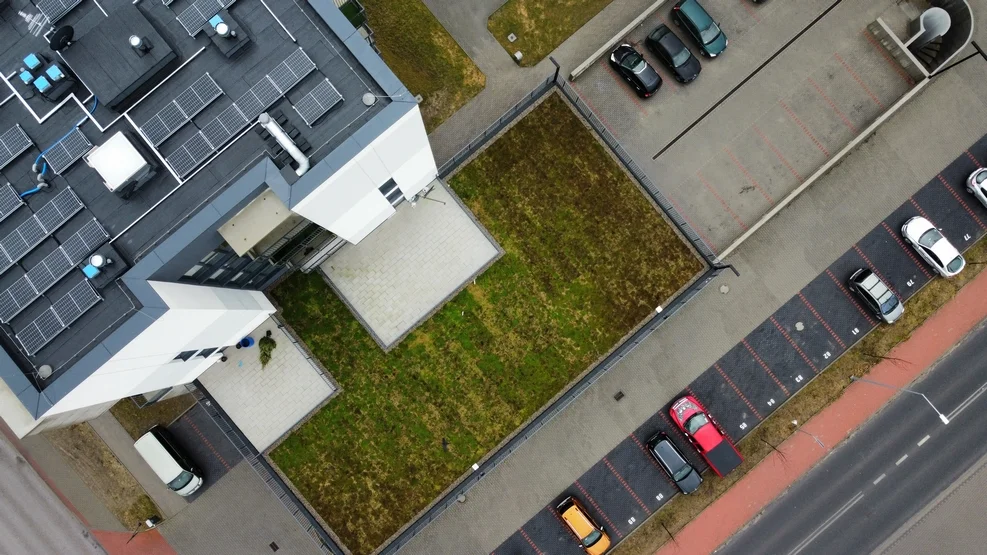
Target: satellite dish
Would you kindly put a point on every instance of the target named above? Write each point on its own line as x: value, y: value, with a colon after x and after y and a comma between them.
x: 61, y: 38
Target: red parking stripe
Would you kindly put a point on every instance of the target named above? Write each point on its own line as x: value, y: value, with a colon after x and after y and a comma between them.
x: 851, y: 298
x: 894, y: 64
x: 698, y: 229
x: 672, y: 424
x: 530, y: 542
x: 793, y: 344
x: 812, y: 309
x: 748, y: 175
x: 205, y: 441
x: 777, y: 153
x: 689, y: 389
x: 598, y: 509
x: 624, y: 87
x: 765, y: 366
x: 593, y: 108
x: 846, y: 120
x: 974, y: 158
x: 961, y: 201
x: 805, y: 129
x: 859, y: 81
x: 726, y: 206
x: 626, y: 485
x: 874, y: 269
x: 750, y: 11
x: 737, y: 391
x: 920, y: 211
x: 904, y: 247
x: 651, y: 459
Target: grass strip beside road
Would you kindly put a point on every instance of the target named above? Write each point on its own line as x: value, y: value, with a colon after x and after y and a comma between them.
x: 424, y: 57
x: 138, y: 421
x: 540, y: 25
x: 587, y: 258
x: 813, y: 398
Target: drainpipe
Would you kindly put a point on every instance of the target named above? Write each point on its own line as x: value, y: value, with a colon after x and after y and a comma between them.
x: 285, y: 141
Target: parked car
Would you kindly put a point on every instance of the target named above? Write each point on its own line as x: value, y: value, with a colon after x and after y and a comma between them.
x: 697, y: 21
x: 591, y: 535
x: 705, y: 434
x: 876, y: 295
x: 976, y: 185
x: 674, y: 54
x: 932, y: 246
x: 169, y: 462
x: 632, y: 66
x: 674, y: 463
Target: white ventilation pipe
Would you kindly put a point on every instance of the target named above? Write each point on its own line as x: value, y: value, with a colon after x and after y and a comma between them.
x: 285, y: 141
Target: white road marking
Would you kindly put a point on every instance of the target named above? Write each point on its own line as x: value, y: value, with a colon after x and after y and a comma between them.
x: 923, y: 440
x: 879, y: 478
x: 966, y: 402
x: 901, y: 460
x: 829, y: 522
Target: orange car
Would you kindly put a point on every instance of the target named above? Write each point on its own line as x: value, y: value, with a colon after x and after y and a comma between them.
x: 590, y: 534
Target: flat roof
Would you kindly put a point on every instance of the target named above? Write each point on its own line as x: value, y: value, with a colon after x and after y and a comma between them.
x: 172, y: 220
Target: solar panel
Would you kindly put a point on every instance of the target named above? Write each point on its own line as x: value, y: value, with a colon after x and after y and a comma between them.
x: 54, y: 267
x: 42, y: 223
x: 53, y: 10
x: 317, y: 102
x: 67, y: 151
x: 59, y: 316
x: 13, y: 142
x: 10, y: 201
x: 288, y: 73
x: 181, y: 110
x: 194, y: 17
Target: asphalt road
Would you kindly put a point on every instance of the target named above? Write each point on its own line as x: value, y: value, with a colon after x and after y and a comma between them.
x: 887, y: 471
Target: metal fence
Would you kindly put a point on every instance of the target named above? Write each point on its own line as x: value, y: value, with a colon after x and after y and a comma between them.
x: 305, y: 352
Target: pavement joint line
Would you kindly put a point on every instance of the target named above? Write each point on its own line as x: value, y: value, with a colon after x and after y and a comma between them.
x: 966, y: 402
x: 859, y: 81
x: 923, y: 440
x: 879, y: 478
x: 827, y: 523
x: 901, y: 460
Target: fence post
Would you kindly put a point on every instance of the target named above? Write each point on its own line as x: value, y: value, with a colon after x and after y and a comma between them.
x: 555, y: 78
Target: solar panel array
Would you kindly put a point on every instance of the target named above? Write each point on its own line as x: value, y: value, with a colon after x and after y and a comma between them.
x: 59, y: 316
x: 194, y: 17
x: 38, y: 227
x: 53, y: 10
x: 217, y: 132
x: 10, y: 201
x: 180, y: 111
x: 67, y: 151
x: 13, y: 142
x: 54, y: 267
x: 317, y: 102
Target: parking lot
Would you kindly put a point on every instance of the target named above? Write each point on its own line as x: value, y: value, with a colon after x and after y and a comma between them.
x: 761, y: 117
x: 207, y: 446
x: 771, y: 364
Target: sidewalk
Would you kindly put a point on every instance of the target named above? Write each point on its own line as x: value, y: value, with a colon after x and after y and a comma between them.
x: 731, y: 512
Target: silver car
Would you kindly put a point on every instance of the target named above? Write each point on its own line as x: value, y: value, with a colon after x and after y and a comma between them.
x: 876, y: 295
x: 976, y: 185
x: 933, y: 247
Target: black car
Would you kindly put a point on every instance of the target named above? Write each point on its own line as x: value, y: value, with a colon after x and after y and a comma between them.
x: 674, y: 54
x: 673, y: 462
x: 630, y: 64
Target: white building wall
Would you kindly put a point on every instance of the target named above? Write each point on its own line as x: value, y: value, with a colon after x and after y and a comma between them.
x: 349, y: 203
x: 198, y: 317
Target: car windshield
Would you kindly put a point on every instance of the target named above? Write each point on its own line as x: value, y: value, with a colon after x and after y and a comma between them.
x: 930, y: 238
x: 710, y: 33
x: 633, y: 62
x: 592, y: 538
x: 693, y: 424
x: 682, y: 473
x: 181, y: 481
x: 981, y: 176
x: 678, y: 52
x: 955, y: 264
x: 888, y: 302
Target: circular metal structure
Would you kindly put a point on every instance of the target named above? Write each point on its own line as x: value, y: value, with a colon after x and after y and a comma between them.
x: 369, y: 99
x: 61, y: 38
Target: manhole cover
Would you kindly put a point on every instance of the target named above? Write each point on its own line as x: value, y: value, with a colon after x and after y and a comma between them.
x: 724, y: 289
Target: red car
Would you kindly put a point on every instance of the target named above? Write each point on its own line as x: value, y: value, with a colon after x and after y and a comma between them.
x: 705, y: 434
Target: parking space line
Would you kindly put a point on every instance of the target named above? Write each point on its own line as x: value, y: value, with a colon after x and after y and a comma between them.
x: 598, y: 113
x: 765, y: 366
x: 623, y: 86
x: 960, y: 199
x: 923, y: 440
x: 530, y: 541
x: 698, y: 229
x: 748, y: 175
x: 905, y: 248
x: 737, y: 390
x: 842, y: 116
x: 793, y: 344
x: 850, y: 297
x: 777, y: 153
x: 750, y: 11
x: 825, y: 324
x: 859, y: 81
x: 974, y: 158
x: 626, y: 485
x: 805, y: 129
x: 598, y: 509
x: 887, y: 57
x: 726, y: 206
x: 874, y: 269
x: 672, y: 425
x: 206, y: 441
x: 648, y: 456
x: 920, y: 211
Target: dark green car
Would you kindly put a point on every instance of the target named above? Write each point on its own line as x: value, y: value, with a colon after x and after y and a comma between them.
x: 697, y: 21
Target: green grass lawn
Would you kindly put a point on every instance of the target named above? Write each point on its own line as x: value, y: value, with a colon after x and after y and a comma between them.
x: 587, y: 258
x: 425, y: 58
x: 540, y: 25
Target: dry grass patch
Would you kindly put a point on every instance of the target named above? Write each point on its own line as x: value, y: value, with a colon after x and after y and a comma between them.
x: 138, y: 421
x: 540, y: 25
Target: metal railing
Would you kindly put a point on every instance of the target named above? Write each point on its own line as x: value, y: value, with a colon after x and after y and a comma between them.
x: 298, y: 344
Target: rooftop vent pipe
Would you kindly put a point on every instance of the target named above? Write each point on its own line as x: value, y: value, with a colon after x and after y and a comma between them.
x: 285, y: 141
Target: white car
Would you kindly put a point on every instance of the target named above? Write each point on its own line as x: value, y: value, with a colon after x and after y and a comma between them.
x: 933, y: 247
x: 976, y: 185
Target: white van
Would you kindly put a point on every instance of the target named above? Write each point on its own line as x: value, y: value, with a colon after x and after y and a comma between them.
x: 168, y: 462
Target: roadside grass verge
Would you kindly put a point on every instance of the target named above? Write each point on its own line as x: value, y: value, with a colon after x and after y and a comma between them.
x: 424, y: 56
x: 587, y: 259
x: 138, y: 421
x: 812, y: 399
x: 540, y: 25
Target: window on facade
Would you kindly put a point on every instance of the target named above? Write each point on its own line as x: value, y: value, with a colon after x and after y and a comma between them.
x: 204, y: 353
x: 185, y: 355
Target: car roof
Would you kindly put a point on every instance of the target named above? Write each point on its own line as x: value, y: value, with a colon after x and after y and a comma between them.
x: 667, y: 451
x: 578, y: 521
x: 696, y: 13
x: 945, y: 250
x: 871, y: 281
x: 708, y: 436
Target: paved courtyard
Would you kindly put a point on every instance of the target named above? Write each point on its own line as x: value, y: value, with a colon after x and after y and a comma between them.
x: 410, y: 265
